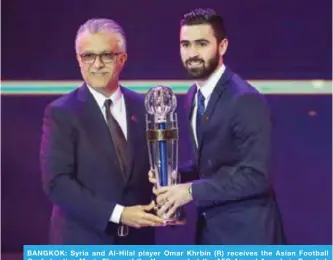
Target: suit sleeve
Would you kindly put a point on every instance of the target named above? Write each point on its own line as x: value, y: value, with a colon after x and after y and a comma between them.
x: 251, y: 128
x: 188, y: 172
x: 58, y: 167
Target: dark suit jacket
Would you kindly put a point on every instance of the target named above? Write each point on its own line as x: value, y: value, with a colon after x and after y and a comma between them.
x: 81, y: 174
x: 233, y: 196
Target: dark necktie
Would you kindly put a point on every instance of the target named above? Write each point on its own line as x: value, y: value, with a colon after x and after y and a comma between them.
x: 118, y: 137
x: 200, y: 113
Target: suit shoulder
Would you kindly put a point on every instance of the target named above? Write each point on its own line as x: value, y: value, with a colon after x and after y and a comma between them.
x: 134, y: 96
x: 63, y: 103
x: 242, y: 92
x: 241, y: 89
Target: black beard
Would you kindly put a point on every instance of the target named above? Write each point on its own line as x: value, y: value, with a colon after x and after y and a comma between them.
x: 203, y: 72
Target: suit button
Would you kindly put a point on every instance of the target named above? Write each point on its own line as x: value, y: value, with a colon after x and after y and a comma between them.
x: 204, y: 214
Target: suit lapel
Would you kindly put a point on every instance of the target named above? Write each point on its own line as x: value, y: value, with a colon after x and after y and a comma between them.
x: 216, y: 94
x: 132, y: 130
x: 189, y: 104
x: 93, y: 122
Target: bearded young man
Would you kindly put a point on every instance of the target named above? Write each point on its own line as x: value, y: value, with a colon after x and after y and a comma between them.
x: 231, y: 134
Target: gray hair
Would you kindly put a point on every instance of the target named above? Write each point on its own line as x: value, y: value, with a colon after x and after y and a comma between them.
x: 102, y: 25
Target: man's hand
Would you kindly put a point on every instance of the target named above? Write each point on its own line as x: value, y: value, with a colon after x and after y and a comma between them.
x: 151, y: 177
x: 173, y: 197
x: 137, y: 216
x: 152, y: 180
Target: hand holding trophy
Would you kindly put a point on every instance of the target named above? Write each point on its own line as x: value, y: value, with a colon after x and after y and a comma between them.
x: 162, y: 138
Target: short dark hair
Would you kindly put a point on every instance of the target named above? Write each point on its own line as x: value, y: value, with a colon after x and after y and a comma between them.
x: 206, y: 16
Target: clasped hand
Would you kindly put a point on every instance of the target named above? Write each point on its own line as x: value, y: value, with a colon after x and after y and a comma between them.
x: 138, y: 216
x: 169, y: 198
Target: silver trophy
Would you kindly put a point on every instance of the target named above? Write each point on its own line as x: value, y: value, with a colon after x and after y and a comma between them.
x: 162, y: 138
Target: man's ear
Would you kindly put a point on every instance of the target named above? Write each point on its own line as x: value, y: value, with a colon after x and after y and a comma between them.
x: 223, y: 46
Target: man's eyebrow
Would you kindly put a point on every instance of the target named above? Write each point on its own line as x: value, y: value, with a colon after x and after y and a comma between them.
x: 201, y: 41
x: 196, y: 41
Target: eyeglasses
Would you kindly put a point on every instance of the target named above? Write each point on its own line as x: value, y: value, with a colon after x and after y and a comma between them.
x: 106, y: 57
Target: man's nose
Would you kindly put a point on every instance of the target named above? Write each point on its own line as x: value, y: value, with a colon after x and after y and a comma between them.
x: 193, y: 52
x: 98, y: 63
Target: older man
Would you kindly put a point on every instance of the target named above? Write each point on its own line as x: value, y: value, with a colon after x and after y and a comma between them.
x: 90, y: 171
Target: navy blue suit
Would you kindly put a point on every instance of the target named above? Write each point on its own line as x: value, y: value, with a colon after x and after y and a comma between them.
x: 81, y: 174
x: 233, y: 195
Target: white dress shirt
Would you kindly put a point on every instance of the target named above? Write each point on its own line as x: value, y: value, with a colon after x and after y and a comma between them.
x: 206, y: 90
x: 118, y: 110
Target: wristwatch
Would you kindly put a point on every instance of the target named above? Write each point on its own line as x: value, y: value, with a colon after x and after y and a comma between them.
x: 190, y: 189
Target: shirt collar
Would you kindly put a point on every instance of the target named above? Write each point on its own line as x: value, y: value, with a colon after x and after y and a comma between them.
x: 207, y: 88
x: 100, y: 98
